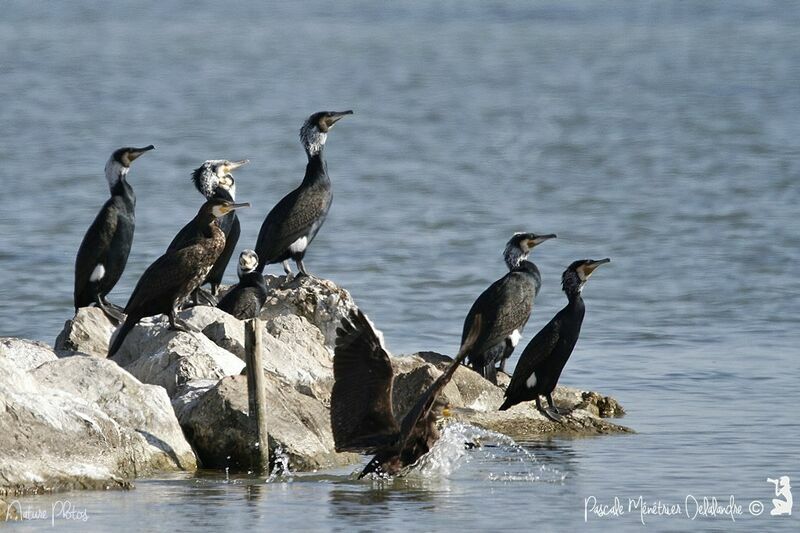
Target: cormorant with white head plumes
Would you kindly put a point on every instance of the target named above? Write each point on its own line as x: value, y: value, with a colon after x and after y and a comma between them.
x: 362, y: 418
x: 214, y: 180
x: 245, y: 299
x: 294, y: 222
x: 540, y: 365
x: 172, y: 277
x: 104, y: 250
x: 505, y: 306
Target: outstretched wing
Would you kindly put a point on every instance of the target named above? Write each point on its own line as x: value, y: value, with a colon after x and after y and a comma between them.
x: 361, y: 402
x: 425, y: 403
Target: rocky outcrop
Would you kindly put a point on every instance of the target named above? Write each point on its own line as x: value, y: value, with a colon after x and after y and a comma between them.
x: 299, y: 427
x: 83, y: 422
x: 319, y: 301
x: 89, y: 332
x: 25, y: 354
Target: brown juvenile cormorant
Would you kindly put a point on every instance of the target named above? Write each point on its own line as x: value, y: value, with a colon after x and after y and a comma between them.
x: 214, y: 180
x: 540, y: 365
x: 172, y: 277
x: 104, y: 251
x: 244, y: 300
x: 505, y: 306
x: 294, y: 222
x: 362, y: 418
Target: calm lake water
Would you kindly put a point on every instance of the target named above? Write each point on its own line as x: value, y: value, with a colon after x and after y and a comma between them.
x: 661, y: 134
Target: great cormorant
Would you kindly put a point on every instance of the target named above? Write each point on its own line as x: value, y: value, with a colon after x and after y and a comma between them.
x: 362, y: 418
x: 505, y: 306
x: 214, y: 180
x: 244, y: 300
x: 294, y: 222
x: 172, y: 277
x: 540, y: 365
x: 104, y: 250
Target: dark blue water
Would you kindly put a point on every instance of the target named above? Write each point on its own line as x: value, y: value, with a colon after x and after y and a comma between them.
x: 661, y: 134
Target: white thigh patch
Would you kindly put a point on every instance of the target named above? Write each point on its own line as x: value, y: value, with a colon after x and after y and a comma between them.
x: 299, y: 245
x: 98, y: 273
x: 531, y: 381
x: 515, y: 337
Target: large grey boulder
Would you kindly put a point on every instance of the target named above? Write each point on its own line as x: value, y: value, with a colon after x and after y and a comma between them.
x: 83, y: 422
x: 223, y: 434
x: 25, y: 354
x: 294, y: 349
x: 89, y: 331
x: 160, y: 356
x: 320, y: 301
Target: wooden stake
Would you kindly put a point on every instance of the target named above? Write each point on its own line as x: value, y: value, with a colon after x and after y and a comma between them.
x: 255, y: 391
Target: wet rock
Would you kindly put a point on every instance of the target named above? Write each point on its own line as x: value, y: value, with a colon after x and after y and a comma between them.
x: 83, y: 422
x: 319, y: 301
x: 157, y: 355
x: 89, y: 331
x: 25, y: 354
x: 599, y: 405
x: 223, y: 434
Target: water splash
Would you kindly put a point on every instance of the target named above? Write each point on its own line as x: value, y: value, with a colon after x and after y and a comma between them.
x: 280, y: 468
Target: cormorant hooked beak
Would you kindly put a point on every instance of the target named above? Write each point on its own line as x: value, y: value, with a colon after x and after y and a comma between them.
x: 539, y: 239
x: 331, y: 118
x: 590, y: 267
x: 134, y: 153
x: 231, y: 207
x: 230, y: 166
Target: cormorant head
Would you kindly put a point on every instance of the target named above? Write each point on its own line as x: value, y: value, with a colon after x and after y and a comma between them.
x: 520, y: 245
x: 216, y: 173
x: 315, y: 130
x: 248, y: 261
x: 120, y: 161
x: 215, y: 208
x: 576, y: 274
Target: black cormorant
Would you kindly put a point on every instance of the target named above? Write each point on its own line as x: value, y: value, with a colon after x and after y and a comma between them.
x: 540, y: 365
x: 294, y: 222
x: 505, y: 306
x: 244, y: 300
x: 214, y: 180
x: 104, y: 251
x: 362, y: 418
x: 172, y: 277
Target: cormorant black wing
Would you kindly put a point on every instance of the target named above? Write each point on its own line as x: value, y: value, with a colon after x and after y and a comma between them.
x: 161, y: 280
x: 361, y: 401
x: 297, y: 215
x: 505, y: 306
x: 187, y: 236
x: 94, y: 248
x: 539, y: 349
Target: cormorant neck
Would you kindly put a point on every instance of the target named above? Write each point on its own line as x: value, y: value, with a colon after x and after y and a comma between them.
x: 225, y: 194
x: 316, y: 169
x: 115, y: 174
x: 514, y: 257
x: 572, y: 286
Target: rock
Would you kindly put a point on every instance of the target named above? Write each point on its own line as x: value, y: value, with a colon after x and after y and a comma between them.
x: 188, y: 395
x: 8, y: 512
x: 319, y: 301
x: 294, y: 349
x: 83, y: 422
x: 89, y: 331
x: 298, y: 426
x: 475, y: 400
x: 160, y: 356
x: 25, y: 354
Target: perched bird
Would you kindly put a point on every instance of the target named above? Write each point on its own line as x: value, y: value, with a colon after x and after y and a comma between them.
x: 214, y: 180
x: 505, y: 306
x: 245, y: 299
x: 172, y: 277
x: 104, y: 251
x: 294, y: 222
x: 540, y: 365
x: 362, y: 418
